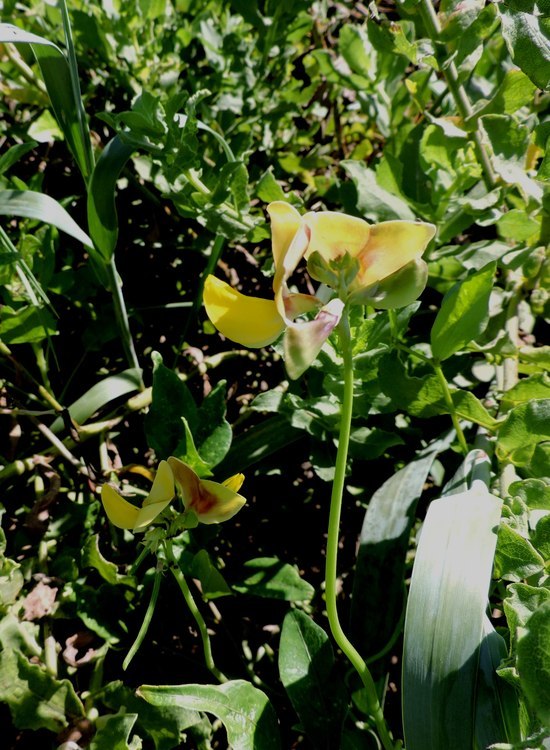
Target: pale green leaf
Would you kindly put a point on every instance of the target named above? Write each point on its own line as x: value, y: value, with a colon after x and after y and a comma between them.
x: 534, y: 661
x: 270, y: 578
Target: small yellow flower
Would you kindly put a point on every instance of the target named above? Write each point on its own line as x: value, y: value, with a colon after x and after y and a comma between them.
x: 211, y: 502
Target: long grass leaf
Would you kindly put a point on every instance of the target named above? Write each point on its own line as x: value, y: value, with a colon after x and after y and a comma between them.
x: 66, y: 104
x: 29, y: 204
x: 445, y: 620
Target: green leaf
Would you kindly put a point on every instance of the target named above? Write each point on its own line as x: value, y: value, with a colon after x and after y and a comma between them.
x: 515, y: 556
x: 541, y: 538
x: 32, y: 205
x: 245, y: 711
x: 535, y: 493
x: 378, y: 596
x: 268, y: 189
x: 270, y: 578
x: 260, y: 441
x: 114, y: 732
x: 514, y: 92
x: 373, y: 202
x: 509, y: 140
x: 519, y: 604
x: 533, y: 661
x: 496, y: 704
x: 306, y: 665
x: 36, y: 699
x: 213, y: 584
x: 528, y: 38
x: 26, y: 325
x: 188, y: 453
x: 172, y: 400
x: 92, y: 558
x: 14, y: 153
x: 213, y: 434
x: 66, y: 102
x: 102, y: 214
x: 463, y: 314
x: 99, y: 395
x: 445, y: 620
x: 11, y: 576
x: 525, y: 427
x: 535, y: 387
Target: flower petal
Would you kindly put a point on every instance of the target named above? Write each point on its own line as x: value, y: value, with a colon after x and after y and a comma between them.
x: 290, y: 238
x: 333, y: 234
x: 119, y: 511
x: 218, y: 502
x: 304, y: 341
x: 163, y: 485
x: 391, y: 245
x: 186, y: 479
x: 235, y: 482
x: 249, y: 321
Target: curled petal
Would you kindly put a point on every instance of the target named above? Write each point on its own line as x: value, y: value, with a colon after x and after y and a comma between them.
x: 210, y: 501
x: 398, y: 290
x: 249, y: 321
x: 299, y: 304
x: 289, y: 242
x: 333, y: 234
x: 217, y: 502
x: 304, y: 341
x: 119, y: 511
x: 235, y: 482
x: 391, y: 246
x: 163, y: 486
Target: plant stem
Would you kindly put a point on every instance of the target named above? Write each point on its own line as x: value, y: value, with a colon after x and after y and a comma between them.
x: 450, y: 406
x: 433, y: 27
x: 147, y: 619
x: 331, y: 570
x: 121, y: 314
x: 197, y: 616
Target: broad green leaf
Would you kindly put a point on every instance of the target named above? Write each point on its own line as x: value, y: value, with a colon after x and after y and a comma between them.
x: 66, y: 102
x: 32, y: 205
x: 515, y: 556
x: 260, y: 441
x: 102, y: 214
x: 36, y: 699
x: 496, y: 703
x: 514, y: 92
x: 535, y: 387
x: 519, y: 226
x: 306, y: 664
x: 172, y: 400
x: 186, y: 450
x: 378, y: 596
x: 213, y: 584
x: 519, y: 604
x: 445, y: 620
x: 509, y: 141
x: 163, y: 724
x: 525, y: 427
x: 92, y: 558
x: 528, y: 38
x: 268, y: 189
x: 245, y: 711
x: 99, y: 395
x: 270, y: 578
x: 213, y: 434
x: 114, y: 732
x: 541, y: 538
x: 26, y: 325
x: 533, y: 661
x: 373, y: 202
x: 535, y: 493
x: 463, y: 314
x: 11, y: 576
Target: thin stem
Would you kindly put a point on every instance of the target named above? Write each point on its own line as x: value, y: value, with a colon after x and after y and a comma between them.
x: 147, y: 619
x: 457, y: 90
x: 197, y: 616
x: 450, y: 406
x: 331, y: 569
x: 121, y: 314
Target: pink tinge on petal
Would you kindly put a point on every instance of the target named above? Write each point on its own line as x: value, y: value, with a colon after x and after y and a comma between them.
x: 304, y: 341
x: 300, y: 304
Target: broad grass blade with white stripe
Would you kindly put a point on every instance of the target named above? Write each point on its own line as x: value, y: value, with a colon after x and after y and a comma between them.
x: 444, y: 623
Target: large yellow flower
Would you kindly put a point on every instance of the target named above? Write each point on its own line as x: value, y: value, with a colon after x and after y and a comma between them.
x: 390, y: 273
x: 210, y: 501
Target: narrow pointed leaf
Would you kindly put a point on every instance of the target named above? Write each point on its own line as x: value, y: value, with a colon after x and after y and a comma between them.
x: 29, y: 204
x: 66, y: 105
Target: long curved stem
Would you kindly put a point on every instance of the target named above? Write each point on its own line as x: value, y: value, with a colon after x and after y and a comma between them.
x: 197, y: 616
x: 146, y: 620
x: 331, y: 570
x: 121, y: 314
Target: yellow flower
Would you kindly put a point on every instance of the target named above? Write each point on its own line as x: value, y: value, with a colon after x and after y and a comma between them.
x: 385, y: 270
x: 211, y: 502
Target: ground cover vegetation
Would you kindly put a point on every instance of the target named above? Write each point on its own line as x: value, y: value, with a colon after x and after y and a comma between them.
x: 274, y: 395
